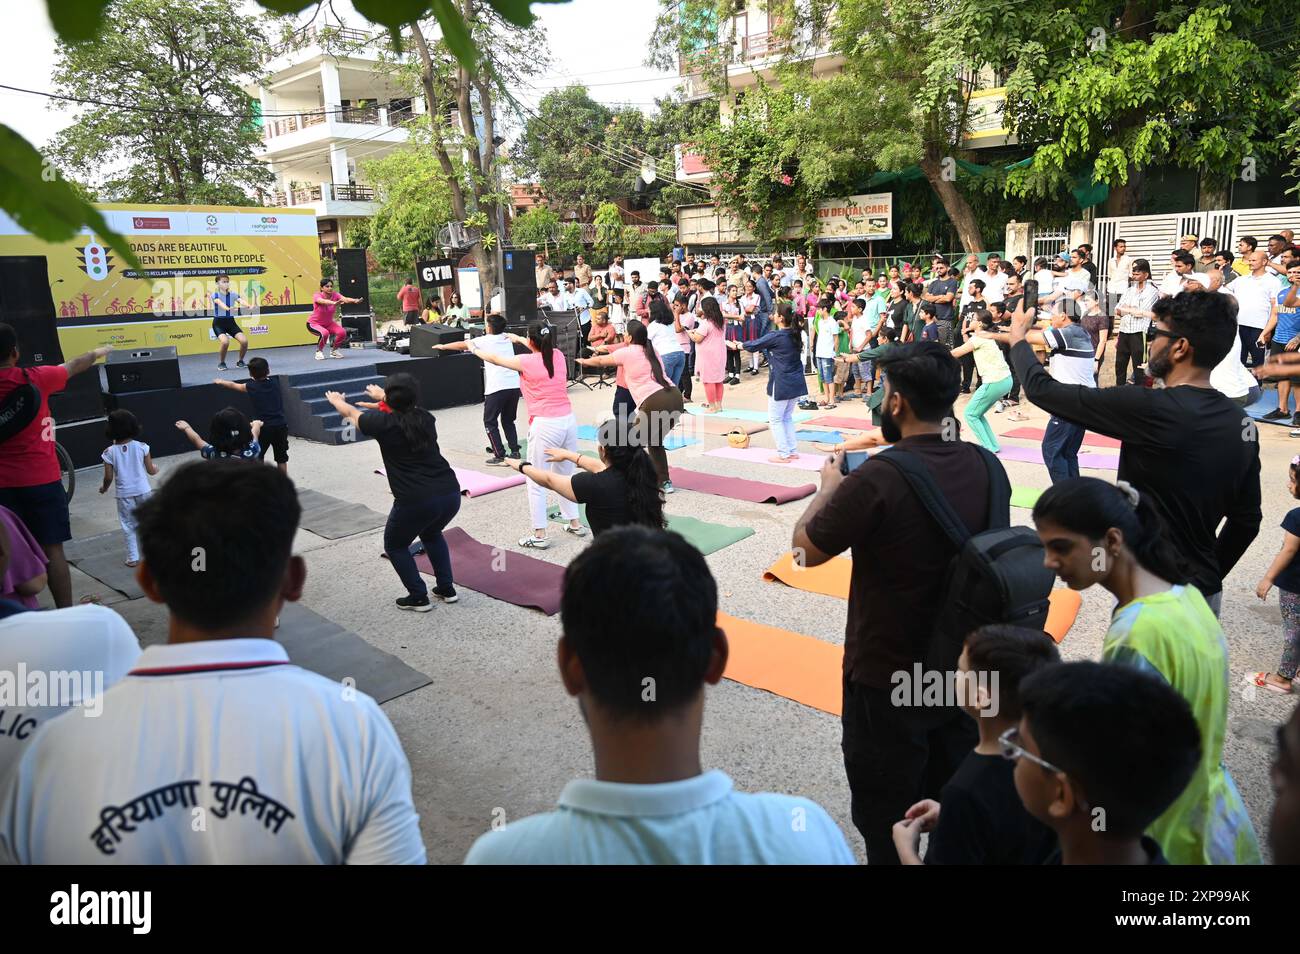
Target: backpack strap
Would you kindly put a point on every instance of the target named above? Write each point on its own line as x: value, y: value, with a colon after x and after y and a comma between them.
x: 922, y: 483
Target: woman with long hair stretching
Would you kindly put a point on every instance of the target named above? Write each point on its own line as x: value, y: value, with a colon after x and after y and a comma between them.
x: 426, y: 494
x: 711, y: 352
x: 659, y: 405
x: 621, y: 487
x: 785, y: 380
x: 1096, y: 532
x: 543, y: 378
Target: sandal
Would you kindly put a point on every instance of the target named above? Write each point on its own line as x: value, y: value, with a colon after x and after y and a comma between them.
x: 1261, y: 680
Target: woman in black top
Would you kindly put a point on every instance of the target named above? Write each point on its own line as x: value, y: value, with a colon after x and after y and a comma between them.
x: 621, y: 487
x: 426, y: 494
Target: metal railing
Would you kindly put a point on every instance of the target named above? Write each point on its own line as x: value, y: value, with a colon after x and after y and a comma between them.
x: 353, y: 193
x: 325, y: 191
x: 369, y: 115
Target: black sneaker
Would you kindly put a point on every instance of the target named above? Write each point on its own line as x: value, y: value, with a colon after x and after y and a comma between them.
x: 1275, y: 415
x: 1295, y: 419
x: 419, y: 604
x: 222, y: 367
x: 240, y: 364
x: 513, y: 455
x: 447, y: 596
x: 495, y: 461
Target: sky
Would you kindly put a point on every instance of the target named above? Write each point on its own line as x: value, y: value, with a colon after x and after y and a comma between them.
x: 597, y: 42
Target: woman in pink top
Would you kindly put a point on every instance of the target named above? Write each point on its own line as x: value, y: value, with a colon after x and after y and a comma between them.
x: 659, y: 405
x: 711, y: 352
x: 323, y: 321
x: 22, y: 575
x: 544, y: 380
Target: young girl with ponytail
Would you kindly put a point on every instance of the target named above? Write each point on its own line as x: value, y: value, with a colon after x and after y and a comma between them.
x: 1098, y: 533
x: 620, y: 488
x: 426, y: 494
x: 659, y: 404
x: 544, y: 380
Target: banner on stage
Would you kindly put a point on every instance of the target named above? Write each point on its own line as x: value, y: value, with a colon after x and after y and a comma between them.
x: 271, y: 255
x: 856, y: 218
x: 436, y: 273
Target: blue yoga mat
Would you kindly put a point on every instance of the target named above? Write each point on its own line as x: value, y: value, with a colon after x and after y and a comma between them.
x: 823, y: 437
x: 1268, y: 402
x: 586, y: 432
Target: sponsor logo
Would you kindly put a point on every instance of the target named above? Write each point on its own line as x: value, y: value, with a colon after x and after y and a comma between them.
x: 184, y: 337
x: 148, y: 222
x: 269, y: 219
x: 212, y: 220
x: 257, y: 329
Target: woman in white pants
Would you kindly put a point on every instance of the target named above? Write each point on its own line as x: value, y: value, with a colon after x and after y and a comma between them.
x: 543, y: 378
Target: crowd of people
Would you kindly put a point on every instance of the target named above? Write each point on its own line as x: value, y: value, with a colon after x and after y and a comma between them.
x: 1012, y: 774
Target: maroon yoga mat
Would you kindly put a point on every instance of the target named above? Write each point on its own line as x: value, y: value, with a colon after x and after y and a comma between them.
x: 502, y: 573
x: 754, y: 491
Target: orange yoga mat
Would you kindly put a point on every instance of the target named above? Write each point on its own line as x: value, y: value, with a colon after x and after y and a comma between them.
x: 788, y: 664
x: 832, y: 579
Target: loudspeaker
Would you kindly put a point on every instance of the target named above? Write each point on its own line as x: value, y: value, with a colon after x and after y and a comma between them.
x: 352, y: 280
x: 521, y: 307
x: 27, y: 305
x: 517, y: 270
x: 145, y: 369
x: 82, y: 399
x: 424, y: 337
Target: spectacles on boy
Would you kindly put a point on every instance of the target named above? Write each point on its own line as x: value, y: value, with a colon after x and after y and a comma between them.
x: 1013, y: 750
x: 1153, y: 333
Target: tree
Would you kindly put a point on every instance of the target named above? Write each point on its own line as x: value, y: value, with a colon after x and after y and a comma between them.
x: 538, y: 226
x: 1113, y: 89
x: 190, y: 134
x: 414, y: 202
x: 609, y: 231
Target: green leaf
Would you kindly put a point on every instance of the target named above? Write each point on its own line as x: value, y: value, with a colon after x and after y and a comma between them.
x: 44, y: 204
x: 455, y: 32
x: 76, y: 21
x: 517, y: 11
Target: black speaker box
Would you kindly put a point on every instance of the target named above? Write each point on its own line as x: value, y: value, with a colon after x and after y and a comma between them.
x: 455, y: 379
x: 521, y: 307
x: 352, y: 280
x: 424, y: 337
x: 143, y: 369
x: 27, y: 305
x: 82, y: 399
x: 517, y: 270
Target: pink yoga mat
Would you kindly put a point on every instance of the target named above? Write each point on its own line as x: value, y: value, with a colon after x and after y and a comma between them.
x: 753, y: 491
x: 474, y: 484
x: 851, y: 423
x: 1089, y: 439
x: 1034, y: 455
x: 502, y: 573
x: 763, y: 455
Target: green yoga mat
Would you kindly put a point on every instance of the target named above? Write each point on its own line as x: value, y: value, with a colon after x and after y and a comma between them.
x: 1025, y: 497
x: 704, y: 536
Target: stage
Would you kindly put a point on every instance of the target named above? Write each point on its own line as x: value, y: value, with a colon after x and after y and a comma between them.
x: 448, y: 380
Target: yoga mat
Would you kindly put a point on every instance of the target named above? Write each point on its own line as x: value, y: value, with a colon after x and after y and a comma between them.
x: 741, y: 414
x: 832, y: 579
x: 712, y: 424
x: 316, y: 643
x: 475, y: 484
x: 734, y: 488
x: 763, y: 455
x: 787, y: 664
x: 829, y: 579
x: 849, y: 423
x: 1089, y: 439
x: 1025, y: 497
x: 1268, y: 402
x: 333, y: 519
x: 823, y: 437
x: 587, y: 432
x: 704, y: 536
x: 1034, y: 455
x: 103, y: 557
x: 502, y: 573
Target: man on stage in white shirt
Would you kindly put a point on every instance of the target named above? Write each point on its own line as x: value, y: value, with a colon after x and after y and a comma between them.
x: 215, y: 748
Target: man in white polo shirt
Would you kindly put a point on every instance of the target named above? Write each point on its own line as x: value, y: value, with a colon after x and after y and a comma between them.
x: 215, y: 749
x: 1254, y: 292
x: 640, y: 643
x: 54, y: 661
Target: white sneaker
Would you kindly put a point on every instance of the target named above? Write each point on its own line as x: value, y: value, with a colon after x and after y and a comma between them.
x: 576, y: 531
x: 320, y: 355
x: 535, y: 543
x: 336, y: 353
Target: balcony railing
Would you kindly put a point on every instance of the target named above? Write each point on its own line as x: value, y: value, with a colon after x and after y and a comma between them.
x: 333, y: 36
x: 325, y: 191
x: 369, y: 115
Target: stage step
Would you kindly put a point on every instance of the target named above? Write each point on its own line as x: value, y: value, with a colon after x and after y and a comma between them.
x: 310, y: 414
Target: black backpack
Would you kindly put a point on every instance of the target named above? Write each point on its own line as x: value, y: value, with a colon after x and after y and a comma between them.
x: 997, y: 575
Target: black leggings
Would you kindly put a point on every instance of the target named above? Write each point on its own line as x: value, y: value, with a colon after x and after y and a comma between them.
x: 733, y: 362
x: 655, y: 418
x: 503, y: 405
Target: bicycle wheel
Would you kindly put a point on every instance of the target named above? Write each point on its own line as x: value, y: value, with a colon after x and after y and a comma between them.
x: 67, y: 473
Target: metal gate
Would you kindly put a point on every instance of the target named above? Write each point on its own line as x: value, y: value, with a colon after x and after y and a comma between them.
x: 1048, y: 243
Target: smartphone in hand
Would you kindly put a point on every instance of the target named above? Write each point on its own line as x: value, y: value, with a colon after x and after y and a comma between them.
x: 852, y: 460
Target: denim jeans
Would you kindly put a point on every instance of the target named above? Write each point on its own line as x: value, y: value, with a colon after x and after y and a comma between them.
x: 780, y: 415
x: 1061, y: 443
x: 425, y: 519
x: 674, y: 364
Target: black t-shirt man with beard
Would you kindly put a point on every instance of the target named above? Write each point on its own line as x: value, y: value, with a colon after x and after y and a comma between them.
x: 893, y: 754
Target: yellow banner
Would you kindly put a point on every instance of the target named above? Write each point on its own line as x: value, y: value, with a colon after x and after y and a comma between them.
x: 271, y: 255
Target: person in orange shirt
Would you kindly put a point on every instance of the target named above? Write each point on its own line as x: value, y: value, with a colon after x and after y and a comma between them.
x: 409, y: 298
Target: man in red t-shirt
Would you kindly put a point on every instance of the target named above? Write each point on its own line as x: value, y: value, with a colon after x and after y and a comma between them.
x: 30, y: 483
x: 409, y: 297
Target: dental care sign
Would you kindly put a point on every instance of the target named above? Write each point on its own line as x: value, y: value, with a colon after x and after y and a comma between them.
x: 856, y: 218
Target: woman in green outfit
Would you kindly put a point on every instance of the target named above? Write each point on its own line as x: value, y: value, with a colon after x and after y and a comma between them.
x: 1094, y: 532
x: 995, y: 378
